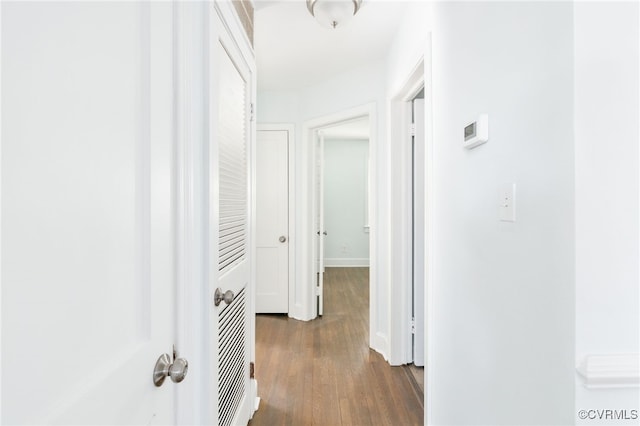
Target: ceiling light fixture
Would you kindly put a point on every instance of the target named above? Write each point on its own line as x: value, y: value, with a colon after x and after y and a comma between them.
x: 333, y: 13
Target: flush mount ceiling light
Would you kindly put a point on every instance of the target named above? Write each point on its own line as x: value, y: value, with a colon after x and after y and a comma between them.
x: 333, y: 13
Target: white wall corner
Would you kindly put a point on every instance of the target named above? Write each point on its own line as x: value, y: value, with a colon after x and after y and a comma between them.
x: 611, y: 371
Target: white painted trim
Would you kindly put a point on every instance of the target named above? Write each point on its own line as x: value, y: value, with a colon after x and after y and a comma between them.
x: 190, y: 91
x: 396, y: 123
x: 229, y: 14
x: 306, y: 205
x: 319, y: 154
x: 290, y: 129
x: 612, y: 371
x: 256, y: 400
x: 380, y: 342
x: 400, y: 235
x: 1, y: 381
x: 346, y: 262
x: 430, y: 230
x: 345, y: 137
x: 401, y: 216
x: 229, y: 17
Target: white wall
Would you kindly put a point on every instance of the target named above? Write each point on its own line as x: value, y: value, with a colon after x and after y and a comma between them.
x: 503, y: 293
x: 277, y: 106
x: 409, y: 44
x: 607, y: 247
x: 345, y: 202
x: 503, y: 309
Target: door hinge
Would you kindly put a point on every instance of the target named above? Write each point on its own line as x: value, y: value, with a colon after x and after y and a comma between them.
x: 251, y: 112
x: 252, y: 370
x: 412, y: 325
x: 412, y: 129
x: 318, y: 291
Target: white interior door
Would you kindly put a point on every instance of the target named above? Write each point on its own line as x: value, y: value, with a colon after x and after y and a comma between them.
x: 272, y: 221
x: 419, y: 229
x: 87, y: 250
x: 230, y: 233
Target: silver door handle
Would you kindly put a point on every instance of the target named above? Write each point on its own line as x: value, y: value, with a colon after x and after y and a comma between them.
x: 282, y: 239
x: 164, y: 368
x: 219, y: 296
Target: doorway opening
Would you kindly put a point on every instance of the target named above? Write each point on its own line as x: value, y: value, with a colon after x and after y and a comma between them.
x: 410, y: 217
x: 312, y: 135
x: 342, y: 193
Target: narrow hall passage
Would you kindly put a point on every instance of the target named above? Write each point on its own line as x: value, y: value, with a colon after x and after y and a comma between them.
x: 322, y: 372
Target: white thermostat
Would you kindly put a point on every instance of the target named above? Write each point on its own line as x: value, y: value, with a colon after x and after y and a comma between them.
x: 477, y: 132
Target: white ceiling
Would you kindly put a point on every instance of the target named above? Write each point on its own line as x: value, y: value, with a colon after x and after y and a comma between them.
x: 294, y: 51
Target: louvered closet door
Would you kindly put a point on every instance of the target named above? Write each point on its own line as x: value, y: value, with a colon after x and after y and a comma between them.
x: 229, y: 242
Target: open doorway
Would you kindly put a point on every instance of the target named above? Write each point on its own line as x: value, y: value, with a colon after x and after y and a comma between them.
x: 342, y: 194
x: 313, y: 132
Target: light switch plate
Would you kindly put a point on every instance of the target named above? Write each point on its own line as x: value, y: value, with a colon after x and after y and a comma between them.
x: 508, y: 202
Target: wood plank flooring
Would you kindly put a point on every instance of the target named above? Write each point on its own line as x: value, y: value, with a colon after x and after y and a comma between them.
x: 322, y: 372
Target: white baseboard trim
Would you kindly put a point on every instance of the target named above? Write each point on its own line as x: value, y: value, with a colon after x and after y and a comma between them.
x: 254, y: 396
x: 380, y: 344
x: 346, y: 262
x: 610, y: 371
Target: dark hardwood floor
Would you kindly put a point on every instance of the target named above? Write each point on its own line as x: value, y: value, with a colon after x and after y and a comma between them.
x: 322, y: 372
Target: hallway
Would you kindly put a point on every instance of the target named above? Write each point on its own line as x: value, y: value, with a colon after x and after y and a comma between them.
x: 323, y: 373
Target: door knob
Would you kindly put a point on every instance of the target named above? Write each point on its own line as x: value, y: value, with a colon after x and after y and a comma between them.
x: 282, y: 239
x: 177, y: 369
x: 219, y: 296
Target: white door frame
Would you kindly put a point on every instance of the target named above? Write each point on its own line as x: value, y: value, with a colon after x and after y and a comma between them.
x: 191, y: 297
x: 400, y: 351
x: 400, y: 313
x: 291, y: 153
x: 192, y: 67
x: 418, y: 232
x: 307, y: 206
x: 322, y: 232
